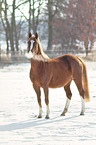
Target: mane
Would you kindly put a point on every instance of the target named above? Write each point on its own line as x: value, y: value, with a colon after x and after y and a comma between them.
x: 41, y: 50
x: 40, y: 56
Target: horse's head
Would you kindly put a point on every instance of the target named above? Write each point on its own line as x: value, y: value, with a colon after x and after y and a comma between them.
x: 36, y: 48
x: 35, y: 43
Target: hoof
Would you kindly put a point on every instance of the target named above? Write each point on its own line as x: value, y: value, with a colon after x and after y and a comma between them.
x: 82, y: 113
x: 63, y: 114
x: 47, y: 117
x: 39, y: 116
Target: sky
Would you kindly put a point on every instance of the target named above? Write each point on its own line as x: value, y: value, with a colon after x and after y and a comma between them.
x: 22, y: 9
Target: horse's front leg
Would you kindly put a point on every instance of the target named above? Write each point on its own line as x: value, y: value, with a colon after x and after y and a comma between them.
x: 38, y: 92
x: 47, y: 102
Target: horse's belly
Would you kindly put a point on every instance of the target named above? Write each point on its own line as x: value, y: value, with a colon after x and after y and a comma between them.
x: 57, y: 83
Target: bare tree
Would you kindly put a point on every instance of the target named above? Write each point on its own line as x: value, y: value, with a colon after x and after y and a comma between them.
x: 5, y: 22
x: 36, y: 11
x: 52, y: 7
x: 84, y: 21
x: 10, y: 24
x: 35, y: 7
x: 78, y: 22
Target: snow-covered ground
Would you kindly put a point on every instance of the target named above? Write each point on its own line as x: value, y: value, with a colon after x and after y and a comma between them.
x: 18, y: 109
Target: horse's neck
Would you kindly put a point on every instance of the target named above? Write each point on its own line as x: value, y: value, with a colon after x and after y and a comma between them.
x: 34, y: 64
x: 39, y: 48
x: 41, y: 52
x: 40, y: 57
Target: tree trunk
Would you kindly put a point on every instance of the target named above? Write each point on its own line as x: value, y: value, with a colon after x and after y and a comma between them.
x: 33, y: 20
x: 29, y: 28
x: 49, y: 35
x: 7, y: 33
x: 86, y: 47
x: 7, y: 43
x: 86, y: 51
x: 49, y: 25
x: 12, y: 27
x: 7, y: 27
x: 16, y: 39
x: 12, y: 42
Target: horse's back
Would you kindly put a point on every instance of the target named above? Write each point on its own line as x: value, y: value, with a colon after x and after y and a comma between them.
x: 74, y: 64
x: 67, y: 57
x: 61, y: 72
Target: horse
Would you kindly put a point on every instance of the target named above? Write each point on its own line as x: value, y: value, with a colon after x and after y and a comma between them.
x: 54, y: 73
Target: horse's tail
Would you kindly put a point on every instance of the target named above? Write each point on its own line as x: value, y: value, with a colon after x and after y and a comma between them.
x: 85, y: 82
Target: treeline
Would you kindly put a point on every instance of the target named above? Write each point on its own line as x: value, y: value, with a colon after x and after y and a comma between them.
x: 65, y: 22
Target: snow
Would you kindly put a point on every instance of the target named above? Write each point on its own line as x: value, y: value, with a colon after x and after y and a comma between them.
x: 19, y: 124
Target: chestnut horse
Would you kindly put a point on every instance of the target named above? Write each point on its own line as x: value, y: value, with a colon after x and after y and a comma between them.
x: 57, y: 72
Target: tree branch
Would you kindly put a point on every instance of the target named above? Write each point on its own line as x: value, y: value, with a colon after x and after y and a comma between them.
x: 21, y: 4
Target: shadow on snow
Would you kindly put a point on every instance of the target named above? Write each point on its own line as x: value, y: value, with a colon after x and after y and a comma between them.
x: 36, y: 122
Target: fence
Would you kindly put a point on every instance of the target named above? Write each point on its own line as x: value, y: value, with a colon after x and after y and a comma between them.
x: 19, y: 57
x: 55, y: 53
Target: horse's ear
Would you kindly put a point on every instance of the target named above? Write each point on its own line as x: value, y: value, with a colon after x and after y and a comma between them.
x: 36, y: 35
x: 30, y: 34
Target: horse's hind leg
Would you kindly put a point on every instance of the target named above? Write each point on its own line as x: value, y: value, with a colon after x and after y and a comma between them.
x: 81, y: 92
x: 83, y: 106
x: 38, y: 92
x: 69, y: 95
